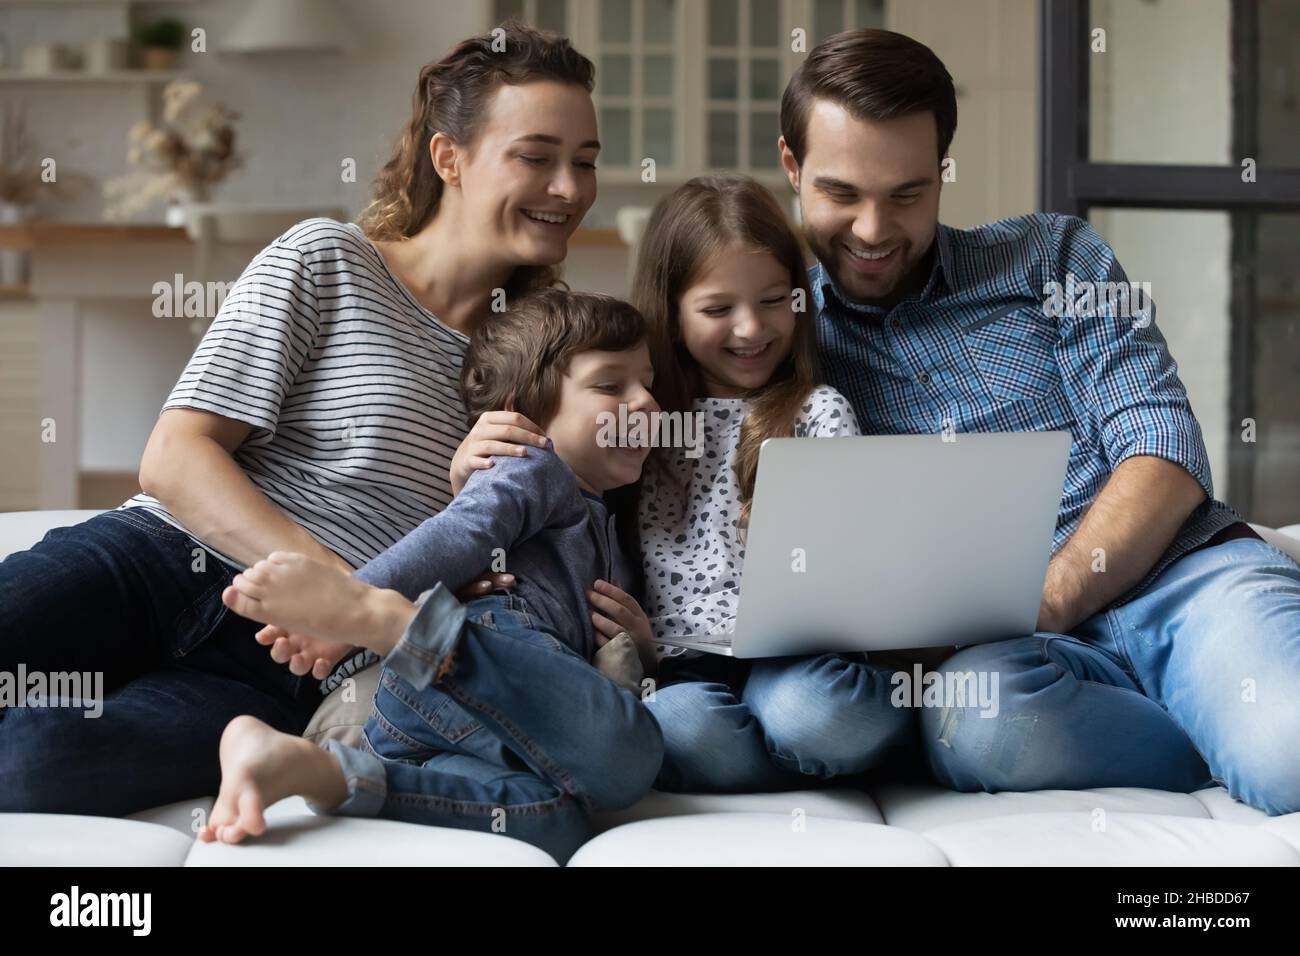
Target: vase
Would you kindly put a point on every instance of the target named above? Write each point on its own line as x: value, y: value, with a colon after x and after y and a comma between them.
x: 13, y: 262
x: 159, y: 58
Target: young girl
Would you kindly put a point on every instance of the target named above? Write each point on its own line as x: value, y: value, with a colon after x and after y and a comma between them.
x: 721, y: 282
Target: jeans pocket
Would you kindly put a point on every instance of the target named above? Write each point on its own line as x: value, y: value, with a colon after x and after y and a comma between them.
x: 427, y: 717
x: 452, y: 722
x: 205, y: 614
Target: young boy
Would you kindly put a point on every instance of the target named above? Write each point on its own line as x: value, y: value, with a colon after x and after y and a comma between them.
x: 488, y: 715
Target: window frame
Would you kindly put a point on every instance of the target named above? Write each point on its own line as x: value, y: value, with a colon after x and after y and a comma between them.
x: 1071, y: 182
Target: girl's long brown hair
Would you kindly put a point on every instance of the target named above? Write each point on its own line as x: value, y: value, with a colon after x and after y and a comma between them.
x: 452, y: 96
x: 686, y: 230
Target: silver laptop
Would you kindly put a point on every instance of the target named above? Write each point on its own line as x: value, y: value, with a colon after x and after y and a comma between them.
x: 894, y: 541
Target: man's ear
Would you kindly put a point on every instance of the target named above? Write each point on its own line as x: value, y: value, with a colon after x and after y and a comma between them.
x: 789, y: 163
x: 445, y: 156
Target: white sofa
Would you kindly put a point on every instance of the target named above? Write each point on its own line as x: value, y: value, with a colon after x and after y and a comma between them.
x: 892, y: 825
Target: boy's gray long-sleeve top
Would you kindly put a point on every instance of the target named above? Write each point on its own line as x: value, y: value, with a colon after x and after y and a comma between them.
x: 557, y: 540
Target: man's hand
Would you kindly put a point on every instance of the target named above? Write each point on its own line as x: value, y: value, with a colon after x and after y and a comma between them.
x: 1125, y: 530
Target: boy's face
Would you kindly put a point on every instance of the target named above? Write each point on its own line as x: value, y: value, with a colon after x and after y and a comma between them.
x: 599, y: 382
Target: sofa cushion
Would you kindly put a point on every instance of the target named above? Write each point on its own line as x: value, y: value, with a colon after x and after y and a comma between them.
x: 920, y: 807
x: 186, y: 817
x: 834, y: 804
x: 64, y: 839
x: 756, y: 839
x: 1084, y: 838
x: 19, y: 530
x: 343, y: 712
x: 297, y: 837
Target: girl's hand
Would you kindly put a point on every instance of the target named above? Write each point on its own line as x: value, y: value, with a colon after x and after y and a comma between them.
x: 495, y: 433
x: 617, y: 611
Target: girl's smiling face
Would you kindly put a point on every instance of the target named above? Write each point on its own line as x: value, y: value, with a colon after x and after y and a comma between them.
x: 737, y: 320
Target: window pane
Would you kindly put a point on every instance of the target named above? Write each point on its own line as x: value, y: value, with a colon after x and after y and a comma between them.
x: 724, y: 16
x: 828, y: 18
x: 616, y: 135
x: 550, y: 15
x: 723, y: 82
x: 659, y: 136
x: 1275, y: 370
x: 764, y: 79
x: 764, y: 128
x: 1278, y: 121
x: 1162, y: 91
x: 658, y: 21
x: 722, y: 139
x: 869, y: 13
x: 657, y: 79
x: 616, y: 21
x: 615, y: 75
x: 1184, y: 255
x: 764, y: 23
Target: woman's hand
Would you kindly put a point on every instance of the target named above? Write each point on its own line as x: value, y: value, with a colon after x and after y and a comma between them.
x: 617, y: 611
x: 484, y: 583
x: 302, y: 652
x: 495, y: 433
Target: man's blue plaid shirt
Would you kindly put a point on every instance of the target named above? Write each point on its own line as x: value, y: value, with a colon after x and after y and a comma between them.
x: 977, y: 351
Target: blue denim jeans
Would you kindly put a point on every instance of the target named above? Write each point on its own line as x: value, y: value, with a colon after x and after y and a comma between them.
x: 521, y: 737
x: 122, y: 594
x: 1195, y: 682
x: 735, y: 726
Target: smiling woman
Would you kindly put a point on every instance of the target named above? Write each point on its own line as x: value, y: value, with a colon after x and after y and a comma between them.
x: 319, y: 415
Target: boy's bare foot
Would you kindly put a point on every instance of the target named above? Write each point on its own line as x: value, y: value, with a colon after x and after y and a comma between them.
x: 293, y: 592
x: 260, y: 766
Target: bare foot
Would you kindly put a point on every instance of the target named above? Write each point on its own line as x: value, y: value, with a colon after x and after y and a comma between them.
x: 260, y: 766
x: 300, y: 595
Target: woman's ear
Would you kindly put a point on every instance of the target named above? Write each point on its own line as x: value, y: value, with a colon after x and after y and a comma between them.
x: 445, y: 156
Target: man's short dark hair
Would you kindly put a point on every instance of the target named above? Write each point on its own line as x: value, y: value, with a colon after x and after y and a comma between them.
x: 873, y: 74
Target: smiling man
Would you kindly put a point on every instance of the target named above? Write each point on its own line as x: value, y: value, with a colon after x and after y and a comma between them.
x: 1168, y: 645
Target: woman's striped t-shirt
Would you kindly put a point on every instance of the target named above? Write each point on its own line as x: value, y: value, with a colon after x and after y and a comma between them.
x: 351, y: 386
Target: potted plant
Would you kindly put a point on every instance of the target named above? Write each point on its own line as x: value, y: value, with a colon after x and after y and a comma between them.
x: 22, y: 184
x: 179, y: 159
x: 161, y: 40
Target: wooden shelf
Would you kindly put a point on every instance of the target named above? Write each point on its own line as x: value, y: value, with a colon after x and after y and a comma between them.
x: 56, y: 4
x: 84, y: 76
x: 31, y: 234
x: 596, y: 237
x: 15, y: 293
